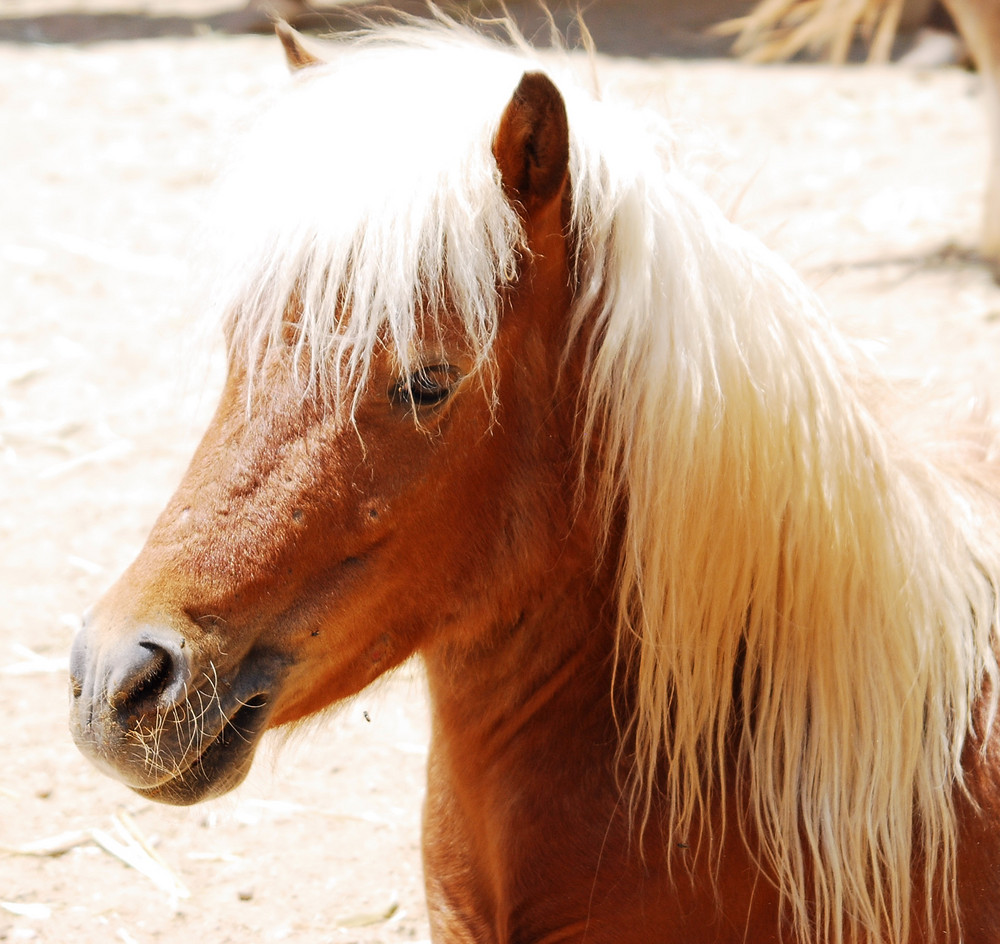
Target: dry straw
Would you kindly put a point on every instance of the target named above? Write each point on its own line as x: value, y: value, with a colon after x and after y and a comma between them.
x: 777, y: 30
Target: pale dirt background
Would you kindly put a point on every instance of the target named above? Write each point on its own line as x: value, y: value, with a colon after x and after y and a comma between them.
x: 868, y: 181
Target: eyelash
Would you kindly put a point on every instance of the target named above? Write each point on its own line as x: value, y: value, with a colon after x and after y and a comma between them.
x: 426, y: 387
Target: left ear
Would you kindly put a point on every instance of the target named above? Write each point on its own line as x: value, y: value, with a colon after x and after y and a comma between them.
x: 532, y: 144
x: 296, y: 54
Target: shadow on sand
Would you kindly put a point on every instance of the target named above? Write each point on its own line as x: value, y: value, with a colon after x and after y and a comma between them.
x: 672, y: 28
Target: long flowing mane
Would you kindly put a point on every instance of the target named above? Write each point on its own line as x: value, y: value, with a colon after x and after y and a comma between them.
x: 807, y: 596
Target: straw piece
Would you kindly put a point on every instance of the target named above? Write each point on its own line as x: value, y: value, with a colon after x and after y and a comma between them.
x: 129, y: 845
x: 777, y: 30
x: 82, y: 563
x: 114, y: 450
x: 227, y: 857
x: 27, y: 909
x: 15, y: 374
x: 881, y: 47
x: 51, y: 846
x: 125, y: 821
x: 33, y: 663
x: 366, y: 919
x: 120, y: 259
x: 133, y: 849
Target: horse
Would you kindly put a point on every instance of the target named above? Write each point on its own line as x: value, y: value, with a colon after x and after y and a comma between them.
x: 707, y: 607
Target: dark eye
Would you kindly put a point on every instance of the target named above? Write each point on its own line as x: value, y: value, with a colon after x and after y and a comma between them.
x: 426, y: 387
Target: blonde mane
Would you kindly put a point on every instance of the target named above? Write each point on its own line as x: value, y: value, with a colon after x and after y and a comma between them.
x: 808, y: 601
x: 393, y: 228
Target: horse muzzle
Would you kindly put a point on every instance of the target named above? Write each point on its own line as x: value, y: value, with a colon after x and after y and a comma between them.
x: 153, y: 712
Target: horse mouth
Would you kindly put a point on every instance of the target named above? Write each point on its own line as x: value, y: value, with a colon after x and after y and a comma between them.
x: 220, y: 763
x: 169, y: 726
x: 178, y: 756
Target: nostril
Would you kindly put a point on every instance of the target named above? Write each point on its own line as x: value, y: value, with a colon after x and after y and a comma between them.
x: 152, y: 673
x: 142, y: 678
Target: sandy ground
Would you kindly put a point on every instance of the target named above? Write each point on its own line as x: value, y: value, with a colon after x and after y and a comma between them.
x: 868, y: 181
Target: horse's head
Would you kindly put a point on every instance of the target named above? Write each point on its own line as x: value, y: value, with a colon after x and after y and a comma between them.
x: 313, y: 545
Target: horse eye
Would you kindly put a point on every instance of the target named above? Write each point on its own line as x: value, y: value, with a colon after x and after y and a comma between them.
x: 426, y: 387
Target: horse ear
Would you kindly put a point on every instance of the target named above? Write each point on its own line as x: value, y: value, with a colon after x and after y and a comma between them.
x: 532, y: 143
x: 296, y: 54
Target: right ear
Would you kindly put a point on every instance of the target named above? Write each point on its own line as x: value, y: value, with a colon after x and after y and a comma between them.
x: 531, y: 147
x: 296, y: 54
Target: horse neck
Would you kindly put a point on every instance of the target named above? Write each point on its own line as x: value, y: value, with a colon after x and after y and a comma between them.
x: 524, y: 750
x: 534, y: 682
x: 529, y: 833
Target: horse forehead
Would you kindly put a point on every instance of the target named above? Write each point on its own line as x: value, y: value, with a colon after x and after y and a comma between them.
x: 362, y: 153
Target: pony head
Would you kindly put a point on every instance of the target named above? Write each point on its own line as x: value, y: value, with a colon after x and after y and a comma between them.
x: 379, y: 474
